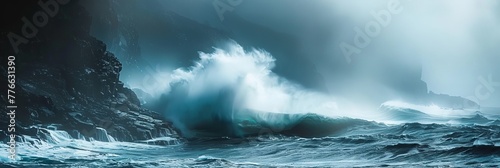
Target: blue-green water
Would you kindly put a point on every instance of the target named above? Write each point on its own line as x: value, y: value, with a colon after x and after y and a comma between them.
x: 473, y: 141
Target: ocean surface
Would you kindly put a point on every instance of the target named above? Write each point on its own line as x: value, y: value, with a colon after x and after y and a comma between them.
x: 470, y: 140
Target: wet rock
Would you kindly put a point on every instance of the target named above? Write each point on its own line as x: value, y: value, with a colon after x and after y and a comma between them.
x: 67, y: 78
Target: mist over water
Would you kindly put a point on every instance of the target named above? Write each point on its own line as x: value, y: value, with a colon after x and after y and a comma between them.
x: 226, y: 83
x: 453, y: 42
x: 228, y: 89
x: 285, y: 60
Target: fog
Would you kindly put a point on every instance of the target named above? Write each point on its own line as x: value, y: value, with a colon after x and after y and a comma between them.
x: 456, y: 42
x: 366, y: 51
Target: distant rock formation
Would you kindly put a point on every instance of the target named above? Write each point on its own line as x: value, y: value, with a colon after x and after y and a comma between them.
x: 454, y: 102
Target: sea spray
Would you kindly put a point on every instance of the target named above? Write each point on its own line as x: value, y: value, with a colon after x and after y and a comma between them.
x: 213, y: 95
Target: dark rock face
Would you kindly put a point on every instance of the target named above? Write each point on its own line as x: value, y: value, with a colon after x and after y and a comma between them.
x: 66, y: 78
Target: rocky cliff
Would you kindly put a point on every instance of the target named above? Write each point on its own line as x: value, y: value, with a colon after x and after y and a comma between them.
x: 67, y: 80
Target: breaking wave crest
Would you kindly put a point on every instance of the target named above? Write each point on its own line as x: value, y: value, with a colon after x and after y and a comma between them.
x: 232, y: 87
x: 233, y: 92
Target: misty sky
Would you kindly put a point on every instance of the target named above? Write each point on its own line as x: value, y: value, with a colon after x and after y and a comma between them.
x: 456, y: 41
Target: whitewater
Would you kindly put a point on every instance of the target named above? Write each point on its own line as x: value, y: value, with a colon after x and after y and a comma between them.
x: 235, y: 112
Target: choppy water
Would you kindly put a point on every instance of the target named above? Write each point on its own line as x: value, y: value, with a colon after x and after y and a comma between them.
x: 472, y: 141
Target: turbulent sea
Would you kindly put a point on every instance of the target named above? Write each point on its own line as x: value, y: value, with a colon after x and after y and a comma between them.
x: 235, y: 112
x: 471, y: 141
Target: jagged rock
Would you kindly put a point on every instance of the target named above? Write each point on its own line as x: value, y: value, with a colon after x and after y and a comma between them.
x: 68, y: 78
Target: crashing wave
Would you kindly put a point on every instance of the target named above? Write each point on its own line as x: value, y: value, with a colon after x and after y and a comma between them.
x: 223, y: 89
